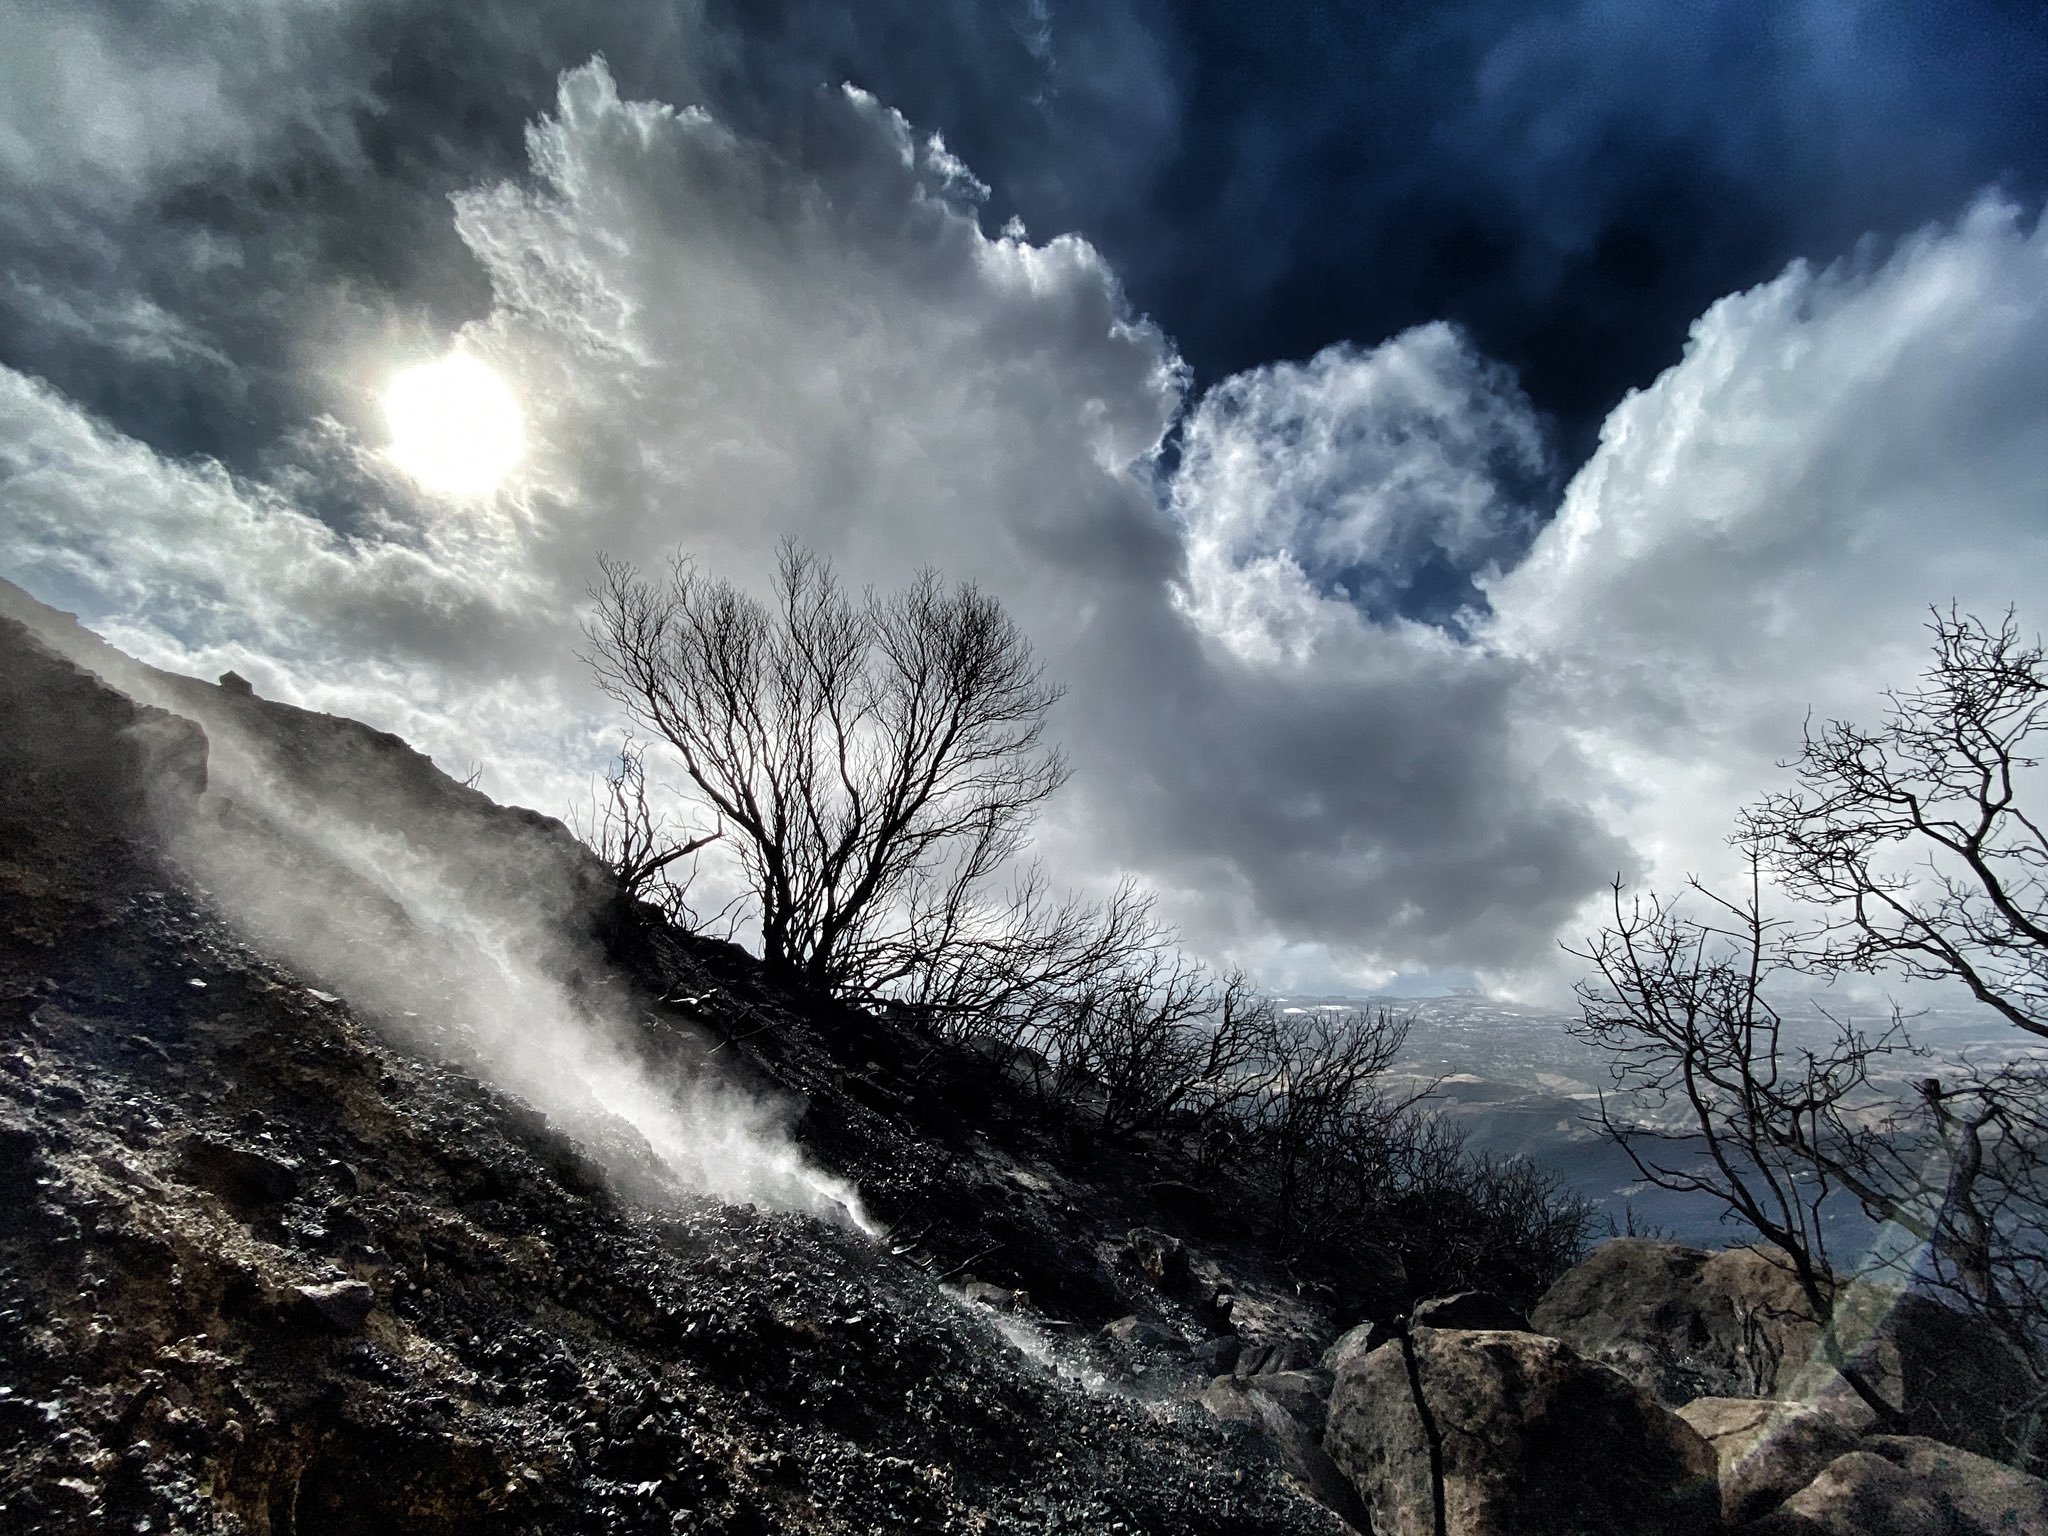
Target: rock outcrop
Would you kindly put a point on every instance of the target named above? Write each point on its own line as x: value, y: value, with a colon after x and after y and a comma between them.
x: 1908, y: 1486
x: 1495, y: 1433
x: 1288, y: 1409
x: 1468, y: 1309
x: 1767, y: 1450
x: 1684, y: 1324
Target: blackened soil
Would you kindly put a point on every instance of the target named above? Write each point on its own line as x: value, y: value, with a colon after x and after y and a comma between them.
x: 264, y: 1270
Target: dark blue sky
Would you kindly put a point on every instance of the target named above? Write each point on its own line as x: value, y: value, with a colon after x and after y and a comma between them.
x: 1572, y: 183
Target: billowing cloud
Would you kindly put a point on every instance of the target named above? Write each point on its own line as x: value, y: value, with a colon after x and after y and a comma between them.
x: 99, y: 105
x: 1387, y: 478
x: 1763, y: 530
x: 718, y: 341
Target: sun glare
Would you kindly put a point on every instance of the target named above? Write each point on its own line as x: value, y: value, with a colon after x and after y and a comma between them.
x: 455, y: 427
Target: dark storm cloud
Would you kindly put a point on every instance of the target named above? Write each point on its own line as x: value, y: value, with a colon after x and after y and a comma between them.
x: 1571, y: 181
x: 212, y: 210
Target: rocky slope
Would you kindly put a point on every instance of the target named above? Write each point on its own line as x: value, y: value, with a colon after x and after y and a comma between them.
x: 360, y: 1156
x: 265, y: 1266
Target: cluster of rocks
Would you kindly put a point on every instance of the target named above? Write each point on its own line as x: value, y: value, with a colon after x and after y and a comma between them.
x: 1657, y: 1390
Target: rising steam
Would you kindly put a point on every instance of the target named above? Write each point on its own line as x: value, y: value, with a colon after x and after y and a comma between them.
x: 461, y: 940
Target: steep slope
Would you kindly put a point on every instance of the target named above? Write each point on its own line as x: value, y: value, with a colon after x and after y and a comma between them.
x: 275, y: 1259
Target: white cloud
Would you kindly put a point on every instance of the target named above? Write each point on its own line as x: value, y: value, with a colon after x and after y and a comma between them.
x: 1764, y: 528
x: 98, y: 104
x: 717, y: 343
x: 1356, y: 476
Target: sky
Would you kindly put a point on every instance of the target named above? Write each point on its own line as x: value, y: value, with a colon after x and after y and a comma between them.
x: 1446, y: 450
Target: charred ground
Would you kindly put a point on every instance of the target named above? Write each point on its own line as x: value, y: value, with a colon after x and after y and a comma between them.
x: 265, y: 1268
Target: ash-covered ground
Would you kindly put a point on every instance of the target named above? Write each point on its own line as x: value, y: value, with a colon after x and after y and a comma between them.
x: 281, y: 1251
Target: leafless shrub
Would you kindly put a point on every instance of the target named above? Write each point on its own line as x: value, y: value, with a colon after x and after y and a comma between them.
x: 1465, y: 1218
x: 1699, y: 1053
x: 1321, y: 1125
x: 637, y: 841
x: 876, y: 763
x: 1913, y: 840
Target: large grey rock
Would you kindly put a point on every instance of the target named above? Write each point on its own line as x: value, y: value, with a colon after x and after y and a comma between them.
x: 1981, y: 1494
x: 1939, y: 1374
x: 1215, y: 1356
x: 247, y: 1179
x: 1263, y: 1357
x: 1684, y: 1323
x: 1140, y: 1333
x: 1269, y: 1406
x: 344, y: 1305
x: 1767, y: 1450
x: 1355, y: 1344
x: 998, y: 1298
x: 1531, y: 1439
x: 1906, y: 1485
x: 1303, y: 1395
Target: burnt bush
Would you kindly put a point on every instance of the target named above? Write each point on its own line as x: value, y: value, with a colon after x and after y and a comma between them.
x: 1287, y: 1120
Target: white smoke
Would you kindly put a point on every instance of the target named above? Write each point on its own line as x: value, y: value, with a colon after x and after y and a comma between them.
x: 471, y: 955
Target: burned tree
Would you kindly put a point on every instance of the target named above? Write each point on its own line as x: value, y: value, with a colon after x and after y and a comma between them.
x: 637, y: 840
x: 1913, y: 837
x: 876, y: 762
x: 1905, y: 849
x: 1720, y: 1102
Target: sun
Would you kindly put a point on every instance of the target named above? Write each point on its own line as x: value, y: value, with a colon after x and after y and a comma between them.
x: 455, y: 426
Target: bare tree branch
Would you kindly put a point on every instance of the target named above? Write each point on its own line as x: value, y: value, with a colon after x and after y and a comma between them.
x: 1912, y: 847
x: 876, y: 762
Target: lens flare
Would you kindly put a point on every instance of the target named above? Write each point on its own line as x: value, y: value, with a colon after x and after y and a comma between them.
x: 455, y: 426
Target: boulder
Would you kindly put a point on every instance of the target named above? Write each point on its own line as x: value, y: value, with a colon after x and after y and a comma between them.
x: 248, y: 1180
x: 1294, y: 1439
x: 1939, y: 1374
x: 1530, y: 1440
x: 1981, y: 1494
x: 1215, y: 1357
x: 1767, y: 1450
x: 1356, y: 1344
x: 1303, y: 1395
x: 1684, y: 1323
x: 1903, y: 1485
x: 344, y: 1305
x: 1140, y: 1333
x: 998, y: 1298
x: 1261, y: 1357
x: 1468, y: 1309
